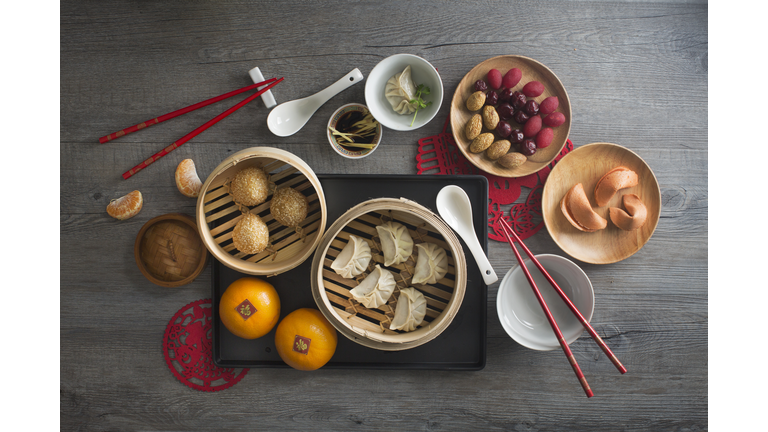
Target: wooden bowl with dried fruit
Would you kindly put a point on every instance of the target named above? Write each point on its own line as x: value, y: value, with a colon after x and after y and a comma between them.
x: 262, y: 211
x: 601, y: 203
x: 510, y: 116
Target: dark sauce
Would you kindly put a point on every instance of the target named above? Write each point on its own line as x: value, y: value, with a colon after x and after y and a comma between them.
x: 344, y: 124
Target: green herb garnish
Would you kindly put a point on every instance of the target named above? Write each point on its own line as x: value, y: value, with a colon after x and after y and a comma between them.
x: 418, y: 102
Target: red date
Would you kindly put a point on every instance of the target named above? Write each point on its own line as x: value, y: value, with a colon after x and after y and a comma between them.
x: 503, y: 129
x: 521, y: 117
x: 531, y: 107
x: 505, y: 111
x: 528, y: 147
x: 517, y: 100
x: 492, y: 98
x: 517, y: 136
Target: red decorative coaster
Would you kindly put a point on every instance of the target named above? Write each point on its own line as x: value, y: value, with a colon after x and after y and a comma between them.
x: 440, y: 155
x: 188, y: 348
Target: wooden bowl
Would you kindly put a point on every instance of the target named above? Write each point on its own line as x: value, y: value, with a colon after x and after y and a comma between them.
x: 532, y: 71
x: 217, y: 213
x: 586, y: 165
x: 169, y: 251
x: 370, y: 327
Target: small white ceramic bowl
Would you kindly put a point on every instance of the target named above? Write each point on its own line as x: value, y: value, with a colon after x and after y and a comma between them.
x: 347, y: 153
x: 422, y: 72
x: 521, y: 315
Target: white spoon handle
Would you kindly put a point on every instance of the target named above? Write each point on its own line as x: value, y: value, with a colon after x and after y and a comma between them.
x: 489, y: 275
x: 348, y: 80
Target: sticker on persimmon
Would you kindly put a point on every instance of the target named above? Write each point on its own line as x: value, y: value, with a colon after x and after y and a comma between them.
x: 245, y: 309
x: 301, y: 344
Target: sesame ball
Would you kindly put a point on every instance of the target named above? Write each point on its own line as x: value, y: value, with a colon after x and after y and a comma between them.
x: 250, y: 187
x: 251, y: 234
x: 289, y: 207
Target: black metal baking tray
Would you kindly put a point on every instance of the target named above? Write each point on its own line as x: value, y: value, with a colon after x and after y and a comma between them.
x: 462, y: 346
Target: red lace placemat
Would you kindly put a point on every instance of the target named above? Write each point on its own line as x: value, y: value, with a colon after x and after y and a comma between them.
x: 188, y: 348
x: 439, y: 154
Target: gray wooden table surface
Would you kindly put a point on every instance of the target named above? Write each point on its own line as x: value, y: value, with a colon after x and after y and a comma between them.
x: 636, y: 73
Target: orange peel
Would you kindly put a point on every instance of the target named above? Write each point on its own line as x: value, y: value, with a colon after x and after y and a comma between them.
x: 631, y: 219
x: 577, y: 210
x: 614, y: 180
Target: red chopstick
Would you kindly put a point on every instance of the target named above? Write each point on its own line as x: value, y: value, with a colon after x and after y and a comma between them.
x: 551, y: 319
x: 567, y: 301
x: 196, y: 132
x: 179, y: 112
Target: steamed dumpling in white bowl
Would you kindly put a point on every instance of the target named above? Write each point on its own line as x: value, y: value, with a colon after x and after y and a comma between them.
x: 400, y: 90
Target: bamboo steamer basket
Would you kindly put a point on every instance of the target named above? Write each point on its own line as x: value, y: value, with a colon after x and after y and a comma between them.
x: 217, y: 214
x: 370, y: 327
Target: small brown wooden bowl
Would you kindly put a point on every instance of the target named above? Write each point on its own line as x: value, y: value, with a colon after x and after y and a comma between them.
x: 370, y: 327
x: 586, y: 165
x: 532, y: 71
x: 169, y: 251
x: 217, y: 214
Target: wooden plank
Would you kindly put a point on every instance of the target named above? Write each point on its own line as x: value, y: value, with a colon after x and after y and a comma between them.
x: 631, y: 69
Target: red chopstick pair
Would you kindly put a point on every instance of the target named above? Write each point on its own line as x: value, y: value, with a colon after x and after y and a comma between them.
x: 507, y: 231
x: 273, y: 82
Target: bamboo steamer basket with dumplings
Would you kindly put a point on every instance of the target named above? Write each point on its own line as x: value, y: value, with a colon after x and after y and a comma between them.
x: 370, y: 327
x: 217, y: 213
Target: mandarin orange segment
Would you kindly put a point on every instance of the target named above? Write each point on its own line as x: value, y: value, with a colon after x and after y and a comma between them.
x: 305, y: 340
x: 249, y: 308
x: 126, y: 206
x: 187, y: 180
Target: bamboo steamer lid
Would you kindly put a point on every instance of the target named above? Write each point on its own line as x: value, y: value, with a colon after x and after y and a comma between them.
x: 370, y: 327
x: 217, y: 214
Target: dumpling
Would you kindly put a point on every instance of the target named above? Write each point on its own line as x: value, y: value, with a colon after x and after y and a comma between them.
x: 353, y: 259
x: 396, y: 242
x: 400, y: 90
x: 410, y: 310
x: 431, y: 264
x: 375, y: 289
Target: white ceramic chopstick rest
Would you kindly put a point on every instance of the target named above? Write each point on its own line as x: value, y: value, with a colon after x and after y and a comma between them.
x: 266, y: 97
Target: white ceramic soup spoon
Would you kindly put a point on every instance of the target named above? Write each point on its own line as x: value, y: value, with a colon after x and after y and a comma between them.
x: 456, y: 210
x: 289, y: 117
